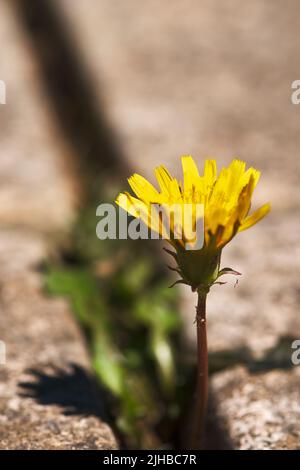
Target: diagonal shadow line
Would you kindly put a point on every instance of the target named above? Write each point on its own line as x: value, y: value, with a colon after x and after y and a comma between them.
x: 76, y: 107
x: 276, y: 357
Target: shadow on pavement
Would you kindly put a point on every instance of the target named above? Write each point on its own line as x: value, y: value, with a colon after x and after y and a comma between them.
x: 73, y: 388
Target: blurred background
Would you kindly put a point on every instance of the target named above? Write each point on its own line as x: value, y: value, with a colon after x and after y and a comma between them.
x: 95, y: 91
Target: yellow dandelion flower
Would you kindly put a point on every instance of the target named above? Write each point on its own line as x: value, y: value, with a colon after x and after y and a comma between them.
x: 226, y: 202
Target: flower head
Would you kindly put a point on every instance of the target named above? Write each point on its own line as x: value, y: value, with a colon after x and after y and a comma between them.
x: 225, y: 200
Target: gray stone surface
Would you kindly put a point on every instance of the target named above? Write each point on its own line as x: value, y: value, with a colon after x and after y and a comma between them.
x: 259, y: 411
x: 48, y: 399
x: 213, y: 79
x: 47, y: 396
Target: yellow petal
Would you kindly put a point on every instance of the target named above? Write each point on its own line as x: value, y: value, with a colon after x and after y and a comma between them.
x: 143, y: 189
x: 255, y: 217
x: 244, y: 200
x: 132, y: 205
x: 176, y: 196
x: 236, y: 169
x: 190, y: 173
x: 146, y: 212
x: 163, y: 178
x: 210, y: 171
x: 251, y: 172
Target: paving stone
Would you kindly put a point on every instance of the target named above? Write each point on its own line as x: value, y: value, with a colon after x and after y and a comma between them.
x: 259, y: 411
x: 48, y: 396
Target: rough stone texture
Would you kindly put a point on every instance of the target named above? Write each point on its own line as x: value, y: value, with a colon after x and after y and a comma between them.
x: 212, y: 79
x: 47, y: 396
x: 48, y: 399
x: 259, y: 411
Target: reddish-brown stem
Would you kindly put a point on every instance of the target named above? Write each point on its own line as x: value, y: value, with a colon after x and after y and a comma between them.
x: 202, y: 374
